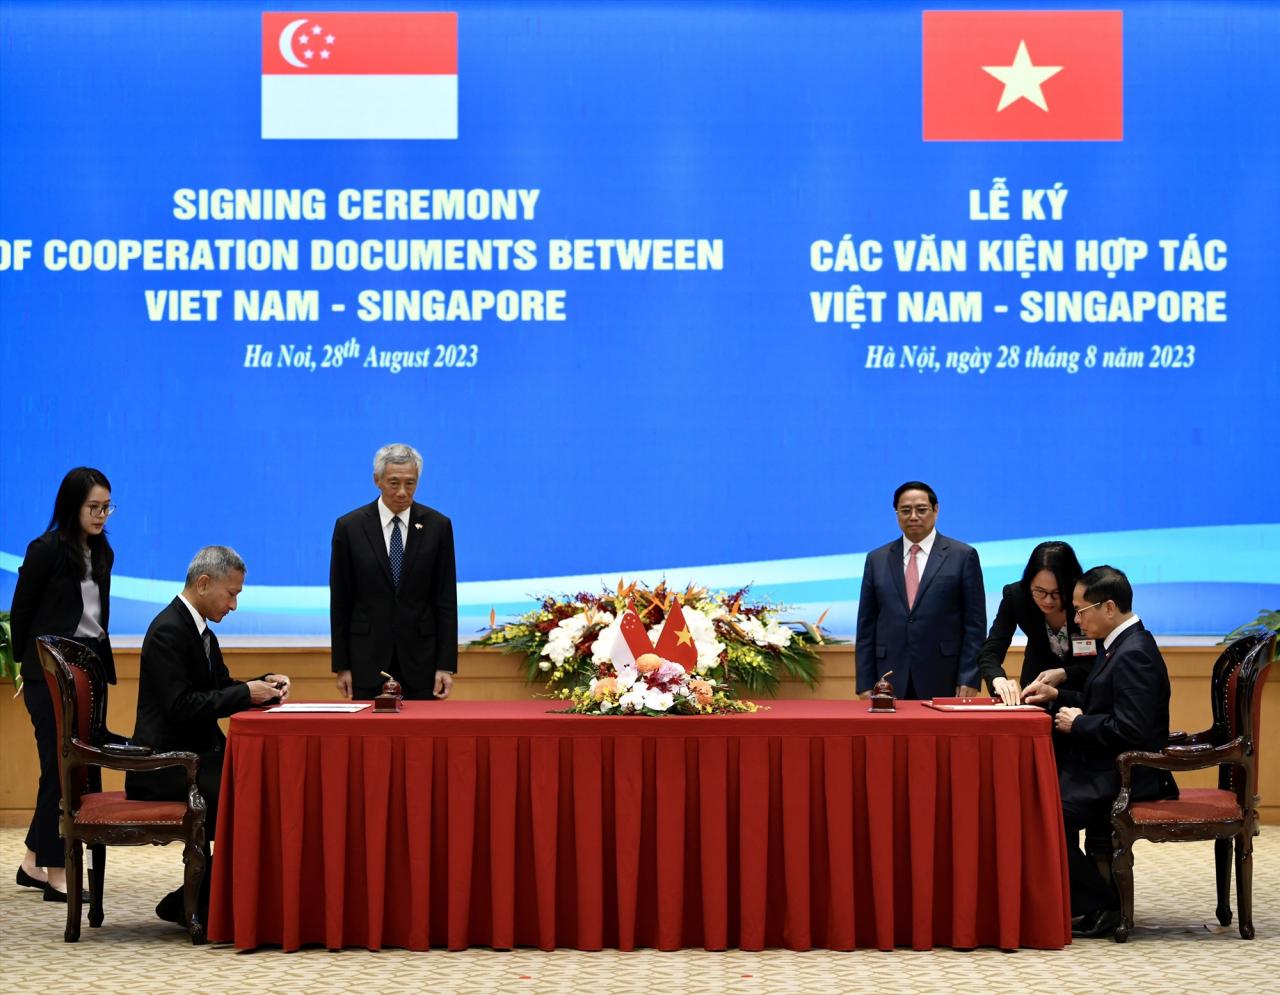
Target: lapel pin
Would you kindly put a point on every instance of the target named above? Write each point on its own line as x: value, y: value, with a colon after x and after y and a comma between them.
x: 417, y: 525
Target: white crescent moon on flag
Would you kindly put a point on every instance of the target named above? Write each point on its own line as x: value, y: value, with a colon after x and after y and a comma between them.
x: 286, y: 43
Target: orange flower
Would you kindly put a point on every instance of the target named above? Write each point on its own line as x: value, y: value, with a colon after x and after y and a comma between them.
x: 702, y: 691
x: 606, y: 685
x: 647, y: 663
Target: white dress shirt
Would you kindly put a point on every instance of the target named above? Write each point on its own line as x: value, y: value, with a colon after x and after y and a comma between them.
x: 922, y: 557
x: 1128, y: 623
x: 386, y: 514
x: 201, y: 624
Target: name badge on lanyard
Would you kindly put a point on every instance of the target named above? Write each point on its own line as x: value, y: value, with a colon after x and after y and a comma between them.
x: 1082, y: 646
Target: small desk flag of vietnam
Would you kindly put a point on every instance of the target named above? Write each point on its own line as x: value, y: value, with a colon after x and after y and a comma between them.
x: 675, y: 641
x: 359, y: 75
x: 1023, y: 75
x: 632, y: 641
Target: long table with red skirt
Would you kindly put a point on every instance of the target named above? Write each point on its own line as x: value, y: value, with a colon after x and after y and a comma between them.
x: 512, y: 824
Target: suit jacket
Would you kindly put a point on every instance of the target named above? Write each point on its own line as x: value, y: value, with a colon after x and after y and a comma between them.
x: 934, y: 644
x: 1126, y: 707
x: 47, y: 602
x: 1018, y: 610
x: 181, y: 696
x: 369, y: 618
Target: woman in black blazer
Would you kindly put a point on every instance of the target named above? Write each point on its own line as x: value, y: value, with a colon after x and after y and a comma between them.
x: 1039, y: 605
x: 64, y: 589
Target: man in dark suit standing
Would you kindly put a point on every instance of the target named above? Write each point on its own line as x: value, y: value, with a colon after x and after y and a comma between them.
x: 393, y: 594
x: 1124, y: 706
x: 922, y: 612
x: 184, y: 688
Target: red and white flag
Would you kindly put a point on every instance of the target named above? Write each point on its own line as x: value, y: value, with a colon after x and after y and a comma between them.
x: 1023, y: 75
x: 632, y: 641
x: 359, y: 75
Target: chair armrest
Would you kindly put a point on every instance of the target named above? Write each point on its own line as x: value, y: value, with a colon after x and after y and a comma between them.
x: 85, y: 755
x: 126, y: 750
x: 1190, y: 738
x: 1173, y: 758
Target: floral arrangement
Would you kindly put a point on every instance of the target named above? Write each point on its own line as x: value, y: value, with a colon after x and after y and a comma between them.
x: 653, y: 686
x: 569, y: 641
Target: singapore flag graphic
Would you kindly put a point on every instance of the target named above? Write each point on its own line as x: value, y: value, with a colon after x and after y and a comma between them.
x: 359, y: 75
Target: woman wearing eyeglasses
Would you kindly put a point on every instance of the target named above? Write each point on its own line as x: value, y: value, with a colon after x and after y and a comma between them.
x: 64, y: 589
x: 1039, y: 605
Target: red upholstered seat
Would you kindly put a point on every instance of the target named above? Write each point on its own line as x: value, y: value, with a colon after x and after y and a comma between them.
x: 95, y: 818
x: 1195, y: 805
x: 109, y: 808
x: 1227, y: 814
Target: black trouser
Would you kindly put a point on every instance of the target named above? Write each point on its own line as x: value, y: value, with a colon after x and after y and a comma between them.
x: 1090, y: 891
x: 170, y: 784
x: 43, y: 838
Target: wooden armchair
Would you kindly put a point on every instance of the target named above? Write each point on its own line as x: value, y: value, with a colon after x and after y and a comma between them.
x: 1223, y: 814
x: 96, y: 817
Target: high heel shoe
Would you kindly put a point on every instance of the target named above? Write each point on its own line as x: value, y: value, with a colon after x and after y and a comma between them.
x: 25, y: 880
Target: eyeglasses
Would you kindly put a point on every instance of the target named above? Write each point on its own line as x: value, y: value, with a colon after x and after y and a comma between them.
x: 919, y: 511
x: 100, y: 510
x: 1081, y: 611
x: 1043, y: 595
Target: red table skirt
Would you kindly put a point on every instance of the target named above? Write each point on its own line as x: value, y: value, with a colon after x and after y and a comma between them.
x: 495, y: 824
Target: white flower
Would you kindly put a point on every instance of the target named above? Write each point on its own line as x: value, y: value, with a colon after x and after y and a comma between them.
x: 633, y: 700
x: 605, y: 705
x: 753, y: 630
x: 627, y: 677
x: 561, y: 639
x: 658, y: 701
x: 544, y: 665
x: 777, y: 635
x: 602, y: 648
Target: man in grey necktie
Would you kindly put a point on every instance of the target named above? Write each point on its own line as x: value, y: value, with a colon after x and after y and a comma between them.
x: 184, y: 688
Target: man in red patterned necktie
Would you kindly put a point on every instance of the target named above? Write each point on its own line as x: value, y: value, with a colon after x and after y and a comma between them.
x: 922, y: 612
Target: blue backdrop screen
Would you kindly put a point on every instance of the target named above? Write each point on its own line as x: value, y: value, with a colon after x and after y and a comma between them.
x: 689, y: 293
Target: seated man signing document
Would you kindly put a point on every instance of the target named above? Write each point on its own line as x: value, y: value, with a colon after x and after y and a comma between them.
x: 184, y: 688
x: 1124, y: 706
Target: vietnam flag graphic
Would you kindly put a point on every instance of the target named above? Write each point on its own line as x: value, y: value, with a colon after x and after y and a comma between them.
x: 675, y: 641
x: 1023, y: 75
x: 359, y: 75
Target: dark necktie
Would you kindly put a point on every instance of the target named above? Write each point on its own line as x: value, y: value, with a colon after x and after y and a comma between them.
x: 395, y: 551
x: 206, y: 637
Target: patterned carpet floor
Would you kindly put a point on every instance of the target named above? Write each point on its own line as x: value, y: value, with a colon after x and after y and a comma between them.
x: 1178, y: 947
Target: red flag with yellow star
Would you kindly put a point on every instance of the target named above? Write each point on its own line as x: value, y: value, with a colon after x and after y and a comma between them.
x: 675, y: 641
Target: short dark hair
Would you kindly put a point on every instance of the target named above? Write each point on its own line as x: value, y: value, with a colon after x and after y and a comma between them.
x: 1106, y: 583
x: 1060, y: 560
x: 915, y: 485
